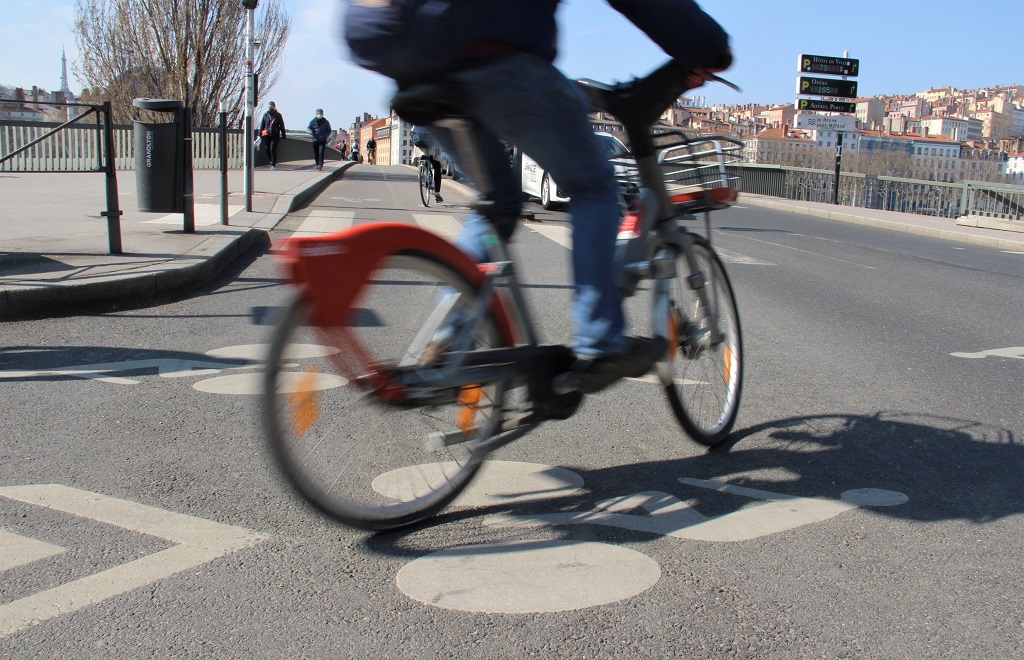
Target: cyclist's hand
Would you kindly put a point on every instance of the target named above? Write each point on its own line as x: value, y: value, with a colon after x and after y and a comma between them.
x: 698, y: 76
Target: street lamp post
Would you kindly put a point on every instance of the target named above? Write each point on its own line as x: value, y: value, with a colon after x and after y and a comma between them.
x: 250, y: 10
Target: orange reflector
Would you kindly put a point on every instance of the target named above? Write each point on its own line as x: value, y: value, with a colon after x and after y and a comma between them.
x: 728, y: 363
x: 469, y: 399
x: 303, y: 403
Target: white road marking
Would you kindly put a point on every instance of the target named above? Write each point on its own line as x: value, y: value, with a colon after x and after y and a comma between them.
x: 1012, y: 252
x: 167, y: 368
x: 205, y: 215
x: 524, y: 577
x: 730, y: 257
x: 668, y: 516
x: 1010, y: 352
x: 654, y: 379
x: 197, y: 541
x: 259, y: 352
x: 324, y: 221
x: 816, y: 254
x: 17, y: 550
x: 252, y: 383
x: 498, y: 482
x: 445, y: 226
x: 561, y: 234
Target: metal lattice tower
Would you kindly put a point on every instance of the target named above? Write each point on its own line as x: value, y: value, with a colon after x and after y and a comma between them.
x: 64, y: 87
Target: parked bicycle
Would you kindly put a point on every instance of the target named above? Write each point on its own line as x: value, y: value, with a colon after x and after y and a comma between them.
x: 380, y: 428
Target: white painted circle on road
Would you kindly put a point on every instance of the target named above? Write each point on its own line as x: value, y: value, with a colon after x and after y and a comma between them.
x: 260, y: 352
x: 252, y: 383
x: 498, y: 482
x: 523, y: 577
x: 874, y: 497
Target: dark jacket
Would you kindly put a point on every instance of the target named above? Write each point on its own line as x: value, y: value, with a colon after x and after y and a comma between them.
x: 273, y: 123
x: 414, y: 39
x: 320, y: 129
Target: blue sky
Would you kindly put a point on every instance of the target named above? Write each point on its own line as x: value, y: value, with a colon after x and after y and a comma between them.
x: 904, y: 47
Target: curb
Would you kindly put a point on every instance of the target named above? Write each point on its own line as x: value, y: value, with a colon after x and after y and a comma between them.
x: 851, y: 217
x: 183, y: 273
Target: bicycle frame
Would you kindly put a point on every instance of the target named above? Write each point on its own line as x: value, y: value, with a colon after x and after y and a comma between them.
x: 649, y: 252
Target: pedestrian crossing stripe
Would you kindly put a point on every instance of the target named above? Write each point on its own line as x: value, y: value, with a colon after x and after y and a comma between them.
x: 446, y: 226
x: 324, y: 221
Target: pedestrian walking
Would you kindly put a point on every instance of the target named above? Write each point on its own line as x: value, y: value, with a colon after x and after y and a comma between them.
x: 320, y: 130
x: 271, y: 130
x: 342, y: 147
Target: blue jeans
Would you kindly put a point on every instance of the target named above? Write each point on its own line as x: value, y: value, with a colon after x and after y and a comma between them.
x: 528, y: 102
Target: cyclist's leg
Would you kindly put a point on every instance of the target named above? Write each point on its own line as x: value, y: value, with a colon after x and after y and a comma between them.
x: 436, y: 164
x: 526, y: 100
x: 488, y: 172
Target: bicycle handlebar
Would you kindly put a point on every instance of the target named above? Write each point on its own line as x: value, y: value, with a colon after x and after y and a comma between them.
x: 639, y: 103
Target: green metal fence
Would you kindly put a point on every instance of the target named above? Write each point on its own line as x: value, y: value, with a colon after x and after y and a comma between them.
x: 77, y: 149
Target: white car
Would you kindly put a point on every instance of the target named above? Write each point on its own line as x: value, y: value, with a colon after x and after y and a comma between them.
x: 537, y: 183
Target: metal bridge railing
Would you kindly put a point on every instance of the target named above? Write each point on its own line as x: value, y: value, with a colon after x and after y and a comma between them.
x: 935, y: 198
x: 76, y: 148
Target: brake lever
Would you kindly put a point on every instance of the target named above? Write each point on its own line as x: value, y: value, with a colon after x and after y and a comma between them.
x: 725, y: 82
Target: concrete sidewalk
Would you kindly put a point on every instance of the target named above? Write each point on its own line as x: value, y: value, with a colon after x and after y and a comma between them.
x: 54, y: 248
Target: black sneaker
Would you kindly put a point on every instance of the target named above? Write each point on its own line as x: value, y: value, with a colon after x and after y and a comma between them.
x: 591, y: 376
x: 437, y: 196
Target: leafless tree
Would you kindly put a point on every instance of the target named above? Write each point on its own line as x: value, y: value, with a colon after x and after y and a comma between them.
x: 190, y: 50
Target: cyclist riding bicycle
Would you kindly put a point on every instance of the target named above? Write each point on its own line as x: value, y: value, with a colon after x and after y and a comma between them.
x: 371, y: 151
x: 495, y: 56
x: 422, y: 140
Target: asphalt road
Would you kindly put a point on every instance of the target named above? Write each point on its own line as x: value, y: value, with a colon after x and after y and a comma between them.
x: 868, y: 505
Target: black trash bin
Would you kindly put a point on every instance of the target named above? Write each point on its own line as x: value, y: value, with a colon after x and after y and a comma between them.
x: 159, y: 156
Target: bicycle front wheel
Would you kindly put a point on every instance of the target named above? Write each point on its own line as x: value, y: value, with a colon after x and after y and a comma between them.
x: 706, y: 370
x: 426, y: 184
x: 364, y: 461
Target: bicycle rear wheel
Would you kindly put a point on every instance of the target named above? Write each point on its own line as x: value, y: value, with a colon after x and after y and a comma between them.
x: 365, y: 462
x: 707, y: 375
x: 426, y: 184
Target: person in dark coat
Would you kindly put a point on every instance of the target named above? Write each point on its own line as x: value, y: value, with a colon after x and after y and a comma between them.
x: 320, y: 130
x: 271, y: 130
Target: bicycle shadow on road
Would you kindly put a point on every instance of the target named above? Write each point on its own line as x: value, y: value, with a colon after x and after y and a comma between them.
x: 948, y: 469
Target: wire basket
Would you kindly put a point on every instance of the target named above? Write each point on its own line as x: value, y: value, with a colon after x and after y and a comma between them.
x: 694, y: 170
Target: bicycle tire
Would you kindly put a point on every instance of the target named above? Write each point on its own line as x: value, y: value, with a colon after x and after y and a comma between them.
x: 706, y: 382
x: 426, y: 185
x: 364, y: 462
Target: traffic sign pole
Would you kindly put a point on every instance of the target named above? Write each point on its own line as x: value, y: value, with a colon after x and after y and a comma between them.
x: 839, y: 160
x: 832, y: 89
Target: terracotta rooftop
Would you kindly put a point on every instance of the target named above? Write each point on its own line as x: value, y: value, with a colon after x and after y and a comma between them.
x: 784, y: 133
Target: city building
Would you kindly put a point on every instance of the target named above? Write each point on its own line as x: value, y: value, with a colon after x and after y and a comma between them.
x: 870, y: 112
x: 961, y: 129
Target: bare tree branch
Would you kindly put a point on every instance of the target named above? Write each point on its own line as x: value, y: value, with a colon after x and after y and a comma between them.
x: 190, y: 50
